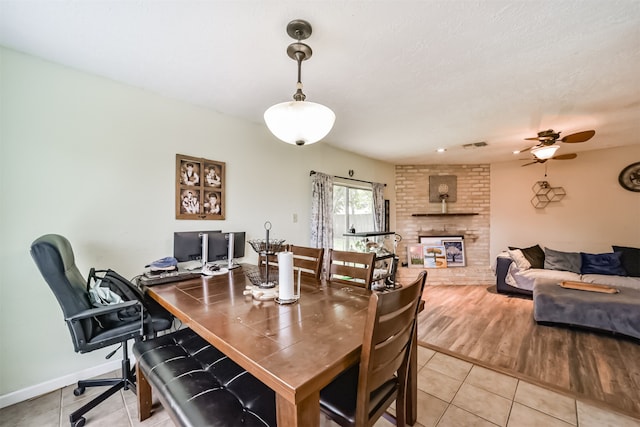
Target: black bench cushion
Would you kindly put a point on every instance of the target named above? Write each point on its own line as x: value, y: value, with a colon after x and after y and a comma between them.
x: 200, y: 386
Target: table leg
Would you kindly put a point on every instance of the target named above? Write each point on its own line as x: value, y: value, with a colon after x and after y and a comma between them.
x: 305, y: 413
x: 143, y: 389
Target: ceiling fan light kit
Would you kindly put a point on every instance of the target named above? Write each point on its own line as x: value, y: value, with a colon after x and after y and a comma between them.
x: 299, y: 122
x: 545, y: 152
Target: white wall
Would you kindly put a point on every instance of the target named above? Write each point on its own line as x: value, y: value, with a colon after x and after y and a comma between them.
x: 94, y: 160
x: 595, y: 214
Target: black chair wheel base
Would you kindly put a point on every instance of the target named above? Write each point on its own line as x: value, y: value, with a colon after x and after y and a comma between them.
x: 78, y: 392
x: 79, y: 422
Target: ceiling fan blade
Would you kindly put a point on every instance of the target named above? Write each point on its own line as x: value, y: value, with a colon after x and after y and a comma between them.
x: 579, y: 137
x: 565, y: 156
x: 531, y: 163
x: 535, y: 138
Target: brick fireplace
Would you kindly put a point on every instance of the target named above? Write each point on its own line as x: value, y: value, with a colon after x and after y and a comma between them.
x: 473, y: 200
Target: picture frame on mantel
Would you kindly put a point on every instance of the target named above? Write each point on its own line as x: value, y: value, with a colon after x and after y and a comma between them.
x: 200, y: 188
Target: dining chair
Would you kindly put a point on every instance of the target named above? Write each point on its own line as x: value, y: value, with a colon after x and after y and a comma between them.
x: 308, y: 260
x: 352, y: 268
x: 361, y: 394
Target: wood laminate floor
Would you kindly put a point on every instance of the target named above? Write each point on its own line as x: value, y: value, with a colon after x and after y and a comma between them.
x: 498, y: 332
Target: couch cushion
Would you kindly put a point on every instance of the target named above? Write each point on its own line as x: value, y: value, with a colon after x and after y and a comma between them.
x: 615, y: 281
x: 534, y: 254
x: 630, y: 259
x: 518, y: 257
x: 608, y: 263
x: 566, y: 261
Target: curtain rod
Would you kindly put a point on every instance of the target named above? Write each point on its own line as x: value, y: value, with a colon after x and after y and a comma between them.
x: 350, y: 179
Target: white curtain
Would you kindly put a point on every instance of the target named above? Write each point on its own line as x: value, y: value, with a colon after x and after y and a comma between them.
x: 322, y: 211
x: 378, y: 205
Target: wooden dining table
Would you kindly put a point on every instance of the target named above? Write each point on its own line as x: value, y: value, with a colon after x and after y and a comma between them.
x: 295, y: 349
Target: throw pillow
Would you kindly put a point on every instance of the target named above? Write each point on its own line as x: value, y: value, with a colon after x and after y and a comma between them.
x: 533, y: 254
x: 518, y: 257
x: 558, y: 260
x: 608, y: 263
x: 630, y: 259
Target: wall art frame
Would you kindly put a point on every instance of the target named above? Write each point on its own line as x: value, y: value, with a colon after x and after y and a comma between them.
x: 454, y: 249
x: 415, y: 256
x: 200, y: 188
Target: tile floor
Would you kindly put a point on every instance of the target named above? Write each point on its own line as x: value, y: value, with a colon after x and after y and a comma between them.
x: 452, y: 393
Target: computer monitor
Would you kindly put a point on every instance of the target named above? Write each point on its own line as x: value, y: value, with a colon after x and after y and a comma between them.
x: 219, y: 246
x: 187, y: 245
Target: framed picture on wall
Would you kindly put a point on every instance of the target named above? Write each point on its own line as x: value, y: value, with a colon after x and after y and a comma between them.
x: 454, y: 248
x: 200, y: 192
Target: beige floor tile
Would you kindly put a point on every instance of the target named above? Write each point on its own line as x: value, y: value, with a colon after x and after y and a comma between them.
x: 438, y: 384
x: 546, y: 401
x: 41, y: 411
x: 591, y: 416
x: 456, y: 417
x: 430, y: 409
x: 495, y: 382
x: 484, y: 404
x: 424, y: 355
x: 383, y: 422
x: 523, y: 416
x: 454, y: 368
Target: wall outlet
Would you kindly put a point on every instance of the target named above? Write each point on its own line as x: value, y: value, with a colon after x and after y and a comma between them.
x: 295, y: 218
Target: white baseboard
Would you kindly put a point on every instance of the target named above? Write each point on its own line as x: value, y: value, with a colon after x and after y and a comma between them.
x: 57, y: 383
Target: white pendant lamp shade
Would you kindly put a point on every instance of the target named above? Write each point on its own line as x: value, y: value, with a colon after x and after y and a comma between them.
x: 299, y: 122
x: 545, y: 152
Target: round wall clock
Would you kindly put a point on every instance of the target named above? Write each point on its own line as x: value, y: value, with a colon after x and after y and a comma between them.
x: 629, y: 178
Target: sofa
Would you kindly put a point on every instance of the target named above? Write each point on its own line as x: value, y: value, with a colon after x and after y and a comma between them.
x: 538, y: 273
x: 518, y: 269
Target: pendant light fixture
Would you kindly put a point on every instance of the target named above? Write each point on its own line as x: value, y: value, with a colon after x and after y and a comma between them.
x: 299, y: 122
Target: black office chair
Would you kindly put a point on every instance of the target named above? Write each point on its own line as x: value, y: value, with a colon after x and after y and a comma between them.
x: 54, y: 257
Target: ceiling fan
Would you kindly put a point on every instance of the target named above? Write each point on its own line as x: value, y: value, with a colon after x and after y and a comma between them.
x: 546, y: 147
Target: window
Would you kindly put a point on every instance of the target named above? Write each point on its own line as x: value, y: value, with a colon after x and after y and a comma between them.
x: 352, y: 207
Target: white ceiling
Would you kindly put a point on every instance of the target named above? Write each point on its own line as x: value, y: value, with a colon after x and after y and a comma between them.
x: 403, y: 77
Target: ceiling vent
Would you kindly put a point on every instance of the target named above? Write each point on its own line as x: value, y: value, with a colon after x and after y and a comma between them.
x: 474, y: 145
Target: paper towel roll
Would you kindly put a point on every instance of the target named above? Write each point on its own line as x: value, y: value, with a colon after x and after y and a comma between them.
x: 285, y: 276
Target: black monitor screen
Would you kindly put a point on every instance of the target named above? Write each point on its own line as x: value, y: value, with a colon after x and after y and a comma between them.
x: 187, y: 245
x: 219, y: 249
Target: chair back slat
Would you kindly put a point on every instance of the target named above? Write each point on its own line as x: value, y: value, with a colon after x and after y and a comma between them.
x: 308, y: 260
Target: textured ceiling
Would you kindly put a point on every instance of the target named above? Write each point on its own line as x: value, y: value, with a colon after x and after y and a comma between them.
x: 403, y: 77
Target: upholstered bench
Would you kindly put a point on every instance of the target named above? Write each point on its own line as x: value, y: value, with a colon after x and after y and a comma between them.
x: 618, y: 313
x: 198, y: 385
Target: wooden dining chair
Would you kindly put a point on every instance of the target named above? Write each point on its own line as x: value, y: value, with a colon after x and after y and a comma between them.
x: 360, y: 395
x: 308, y: 260
x: 352, y: 268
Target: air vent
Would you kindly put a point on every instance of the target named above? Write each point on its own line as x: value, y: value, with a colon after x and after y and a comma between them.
x: 474, y: 145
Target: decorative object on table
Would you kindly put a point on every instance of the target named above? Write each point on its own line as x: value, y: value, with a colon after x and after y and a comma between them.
x: 443, y: 189
x: 544, y: 194
x: 299, y: 122
x: 629, y: 177
x: 266, y: 248
x: 200, y: 188
x: 261, y: 288
x: 434, y: 257
x: 454, y: 250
